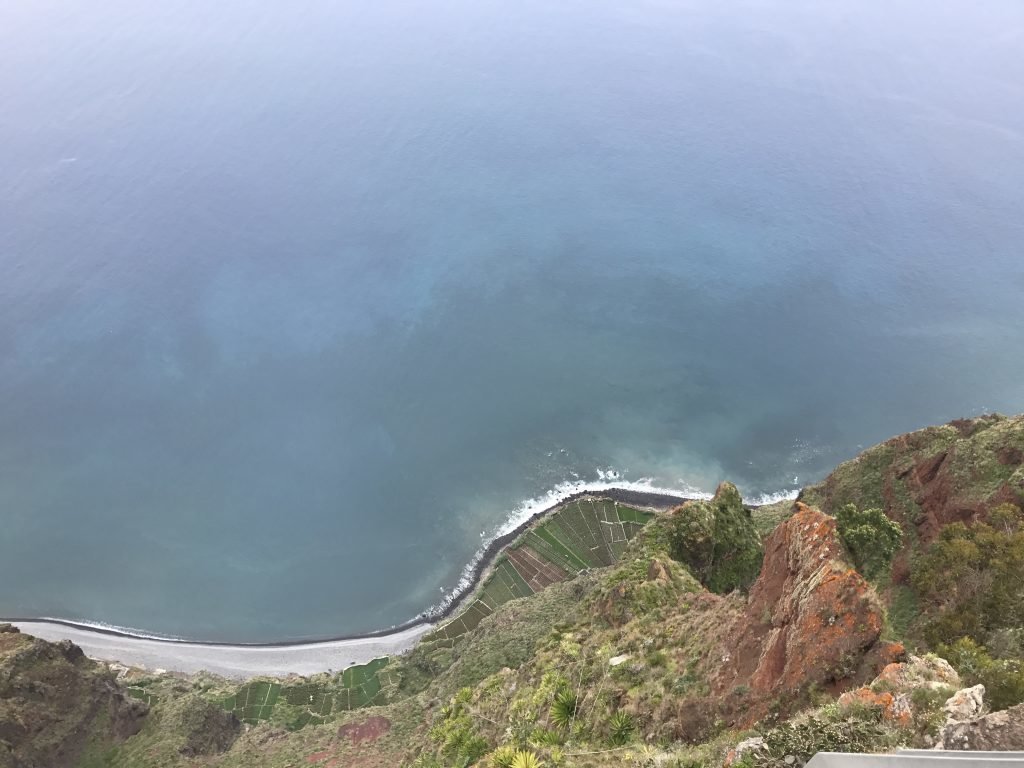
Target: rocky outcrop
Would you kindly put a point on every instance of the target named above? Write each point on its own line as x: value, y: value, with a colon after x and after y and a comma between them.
x: 933, y: 477
x: 965, y: 704
x: 811, y: 619
x: 54, y: 702
x: 891, y: 693
x: 995, y: 732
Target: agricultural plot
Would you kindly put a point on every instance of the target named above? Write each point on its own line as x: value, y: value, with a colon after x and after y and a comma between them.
x: 586, y: 533
x: 254, y: 701
x: 360, y: 686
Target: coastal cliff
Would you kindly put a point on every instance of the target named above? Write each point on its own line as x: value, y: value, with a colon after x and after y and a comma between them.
x: 882, y: 608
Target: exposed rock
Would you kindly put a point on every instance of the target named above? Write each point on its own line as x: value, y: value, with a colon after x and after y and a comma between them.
x: 890, y: 692
x: 895, y: 708
x: 54, y: 702
x: 367, y: 731
x: 918, y: 671
x: 933, y: 477
x: 811, y: 618
x: 995, y: 732
x: 753, y: 744
x: 965, y: 704
x: 657, y: 571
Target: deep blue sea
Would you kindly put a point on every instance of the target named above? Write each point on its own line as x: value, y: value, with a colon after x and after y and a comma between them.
x: 301, y: 302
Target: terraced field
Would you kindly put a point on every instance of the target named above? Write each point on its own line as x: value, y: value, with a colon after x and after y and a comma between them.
x: 587, y: 533
x: 360, y: 686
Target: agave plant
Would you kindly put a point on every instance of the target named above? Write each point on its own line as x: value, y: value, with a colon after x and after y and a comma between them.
x: 564, y: 708
x: 620, y: 728
x: 503, y: 757
x: 525, y: 759
x: 542, y: 737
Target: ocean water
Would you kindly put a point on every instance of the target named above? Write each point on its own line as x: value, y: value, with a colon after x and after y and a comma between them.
x: 301, y: 302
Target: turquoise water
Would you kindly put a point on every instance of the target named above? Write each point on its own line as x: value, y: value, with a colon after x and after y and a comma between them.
x: 300, y: 302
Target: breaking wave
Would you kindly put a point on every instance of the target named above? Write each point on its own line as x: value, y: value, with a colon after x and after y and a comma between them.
x: 607, y: 480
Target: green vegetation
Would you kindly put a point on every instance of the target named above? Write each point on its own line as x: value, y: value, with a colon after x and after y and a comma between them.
x: 313, y: 700
x: 584, y: 534
x: 969, y: 578
x: 718, y: 541
x: 1003, y: 678
x: 871, y: 538
x: 563, y: 709
x: 969, y: 581
x: 796, y: 742
x: 620, y: 728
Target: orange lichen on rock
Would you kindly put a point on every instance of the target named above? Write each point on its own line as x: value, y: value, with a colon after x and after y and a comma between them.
x: 810, y: 619
x: 895, y: 709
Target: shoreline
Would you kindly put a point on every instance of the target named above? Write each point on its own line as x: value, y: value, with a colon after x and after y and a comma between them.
x: 305, y: 656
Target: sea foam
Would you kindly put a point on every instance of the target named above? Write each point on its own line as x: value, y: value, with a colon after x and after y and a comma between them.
x: 607, y: 479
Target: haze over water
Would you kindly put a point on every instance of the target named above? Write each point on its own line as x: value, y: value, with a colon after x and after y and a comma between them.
x: 298, y: 300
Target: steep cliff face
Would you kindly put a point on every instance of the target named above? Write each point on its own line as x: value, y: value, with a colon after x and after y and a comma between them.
x: 927, y: 479
x: 811, y: 619
x: 55, y: 703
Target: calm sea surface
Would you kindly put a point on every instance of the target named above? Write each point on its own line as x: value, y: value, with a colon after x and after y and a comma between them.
x: 300, y: 301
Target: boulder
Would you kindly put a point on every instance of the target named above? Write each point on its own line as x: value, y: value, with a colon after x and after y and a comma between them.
x: 965, y: 704
x: 753, y: 744
x: 927, y: 671
x: 996, y: 732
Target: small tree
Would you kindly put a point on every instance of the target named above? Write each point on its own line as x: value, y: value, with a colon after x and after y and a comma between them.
x: 871, y: 538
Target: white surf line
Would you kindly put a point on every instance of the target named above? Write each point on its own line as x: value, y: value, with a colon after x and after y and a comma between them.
x: 236, y: 661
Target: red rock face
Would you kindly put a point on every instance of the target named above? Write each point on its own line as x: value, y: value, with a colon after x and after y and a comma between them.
x: 367, y: 731
x: 811, y: 618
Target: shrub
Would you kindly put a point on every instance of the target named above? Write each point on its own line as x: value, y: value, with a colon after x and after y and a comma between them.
x: 454, y: 733
x: 796, y: 743
x: 717, y: 540
x: 1003, y: 678
x: 503, y: 757
x: 871, y: 538
x: 969, y: 580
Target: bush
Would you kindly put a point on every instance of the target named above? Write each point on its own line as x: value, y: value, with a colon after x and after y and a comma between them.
x: 970, y: 579
x: 524, y: 759
x: 1003, y: 678
x: 871, y: 538
x: 717, y: 540
x: 796, y: 743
